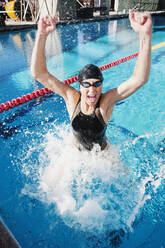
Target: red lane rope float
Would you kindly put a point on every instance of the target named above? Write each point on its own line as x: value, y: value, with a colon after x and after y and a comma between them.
x: 30, y: 96
x: 26, y: 98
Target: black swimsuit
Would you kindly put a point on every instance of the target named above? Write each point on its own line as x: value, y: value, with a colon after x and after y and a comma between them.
x: 89, y: 129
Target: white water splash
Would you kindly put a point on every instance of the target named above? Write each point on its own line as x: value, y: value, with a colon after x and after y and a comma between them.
x: 91, y: 191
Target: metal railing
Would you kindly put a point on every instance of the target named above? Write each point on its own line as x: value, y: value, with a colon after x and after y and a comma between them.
x: 142, y: 6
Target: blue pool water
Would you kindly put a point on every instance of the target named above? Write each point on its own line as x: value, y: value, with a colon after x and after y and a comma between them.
x: 53, y: 196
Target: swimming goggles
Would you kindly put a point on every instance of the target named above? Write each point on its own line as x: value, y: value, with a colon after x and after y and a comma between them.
x: 87, y: 84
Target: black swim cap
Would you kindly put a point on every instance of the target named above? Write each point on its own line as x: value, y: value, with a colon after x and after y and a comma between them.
x: 90, y: 71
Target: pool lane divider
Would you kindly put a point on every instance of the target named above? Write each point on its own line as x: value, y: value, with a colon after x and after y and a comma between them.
x: 30, y: 96
x: 158, y: 45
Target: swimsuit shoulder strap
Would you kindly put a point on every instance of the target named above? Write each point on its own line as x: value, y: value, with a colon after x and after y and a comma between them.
x: 98, y: 113
x: 77, y: 109
x: 99, y: 116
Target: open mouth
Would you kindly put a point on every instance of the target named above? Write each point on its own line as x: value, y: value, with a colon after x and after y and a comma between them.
x: 92, y: 98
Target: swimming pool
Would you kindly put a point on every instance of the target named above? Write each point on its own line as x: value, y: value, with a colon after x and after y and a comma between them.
x: 51, y: 197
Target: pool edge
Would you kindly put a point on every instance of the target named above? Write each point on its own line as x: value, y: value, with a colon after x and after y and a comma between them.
x: 7, y: 240
x: 15, y: 26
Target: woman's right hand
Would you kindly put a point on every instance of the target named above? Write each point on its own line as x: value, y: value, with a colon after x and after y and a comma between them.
x: 47, y: 25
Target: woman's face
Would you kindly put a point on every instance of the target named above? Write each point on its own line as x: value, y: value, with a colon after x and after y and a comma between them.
x: 91, y: 94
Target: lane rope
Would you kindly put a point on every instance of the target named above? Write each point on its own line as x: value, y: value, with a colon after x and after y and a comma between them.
x: 30, y: 96
x: 158, y: 45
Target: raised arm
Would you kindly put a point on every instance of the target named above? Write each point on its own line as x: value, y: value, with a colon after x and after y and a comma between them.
x: 142, y: 24
x: 39, y: 70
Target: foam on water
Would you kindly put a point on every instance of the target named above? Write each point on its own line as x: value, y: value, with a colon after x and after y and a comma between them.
x: 94, y: 191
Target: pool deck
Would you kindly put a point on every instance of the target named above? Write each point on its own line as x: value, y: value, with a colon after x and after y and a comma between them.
x: 12, y: 25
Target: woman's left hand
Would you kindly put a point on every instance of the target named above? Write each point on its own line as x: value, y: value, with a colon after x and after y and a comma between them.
x: 141, y: 22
